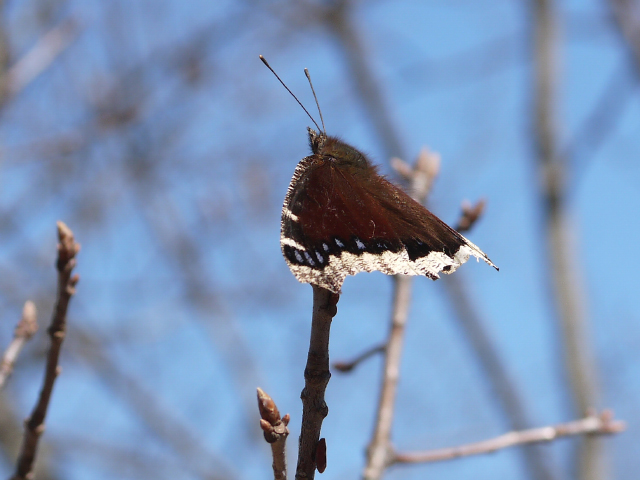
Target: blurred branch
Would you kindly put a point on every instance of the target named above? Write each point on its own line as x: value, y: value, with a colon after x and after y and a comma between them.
x: 26, y: 328
x: 599, y: 124
x: 592, y: 424
x: 162, y: 421
x: 275, y: 433
x: 316, y: 376
x: 629, y: 25
x: 470, y: 215
x: 34, y: 425
x: 470, y: 66
x: 117, y: 459
x: 179, y: 241
x: 337, y: 19
x: 565, y: 285
x: 39, y: 58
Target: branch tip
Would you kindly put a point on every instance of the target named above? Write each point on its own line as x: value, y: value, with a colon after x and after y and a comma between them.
x: 28, y: 324
x: 470, y: 214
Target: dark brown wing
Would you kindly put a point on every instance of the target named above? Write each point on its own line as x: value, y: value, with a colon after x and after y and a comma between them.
x: 340, y: 221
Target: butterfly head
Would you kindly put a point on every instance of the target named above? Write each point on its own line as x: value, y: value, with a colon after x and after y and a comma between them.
x: 336, y: 150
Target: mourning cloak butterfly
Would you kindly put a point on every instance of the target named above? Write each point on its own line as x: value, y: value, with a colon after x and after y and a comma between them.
x: 340, y: 217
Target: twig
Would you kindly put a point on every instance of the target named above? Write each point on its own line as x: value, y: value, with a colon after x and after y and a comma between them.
x: 34, y: 425
x: 470, y: 215
x: 424, y: 171
x: 345, y: 367
x: 316, y: 376
x: 623, y: 15
x: 275, y: 433
x: 26, y: 328
x: 593, y: 424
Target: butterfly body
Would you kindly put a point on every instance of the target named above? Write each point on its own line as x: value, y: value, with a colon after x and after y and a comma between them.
x: 340, y: 217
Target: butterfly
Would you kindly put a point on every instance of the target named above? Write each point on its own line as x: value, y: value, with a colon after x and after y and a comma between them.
x: 341, y: 217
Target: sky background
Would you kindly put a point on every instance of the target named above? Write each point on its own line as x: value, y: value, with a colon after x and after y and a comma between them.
x: 159, y: 137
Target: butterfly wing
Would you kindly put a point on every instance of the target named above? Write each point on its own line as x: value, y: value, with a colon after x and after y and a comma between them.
x: 431, y: 245
x: 339, y: 221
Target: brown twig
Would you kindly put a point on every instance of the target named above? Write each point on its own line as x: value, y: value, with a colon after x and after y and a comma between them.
x: 26, y: 328
x: 34, y: 425
x: 316, y: 376
x: 275, y: 433
x: 470, y: 215
x: 345, y: 367
x: 592, y: 424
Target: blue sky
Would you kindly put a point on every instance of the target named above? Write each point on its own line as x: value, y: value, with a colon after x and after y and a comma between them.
x: 185, y: 304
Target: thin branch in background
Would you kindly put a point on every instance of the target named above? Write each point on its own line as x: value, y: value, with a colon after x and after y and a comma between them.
x: 358, y: 62
x: 39, y: 58
x: 316, y: 376
x: 599, y: 124
x: 34, y: 425
x: 195, y: 458
x: 345, y: 367
x: 593, y: 424
x: 627, y: 22
x: 470, y: 215
x: 563, y: 276
x: 473, y: 65
x: 422, y: 176
x: 275, y: 433
x: 26, y: 328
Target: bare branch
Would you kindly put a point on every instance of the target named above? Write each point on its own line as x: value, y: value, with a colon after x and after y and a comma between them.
x: 421, y: 176
x: 275, y: 433
x: 26, y: 328
x: 565, y: 284
x: 470, y: 215
x: 316, y: 376
x: 624, y: 17
x: 592, y: 424
x: 345, y: 367
x: 34, y: 425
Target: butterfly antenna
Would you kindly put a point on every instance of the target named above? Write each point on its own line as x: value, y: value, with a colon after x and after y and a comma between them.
x: 306, y: 72
x: 283, y: 84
